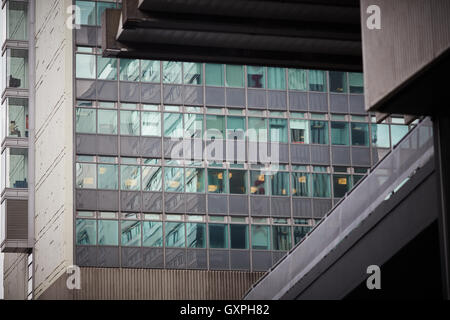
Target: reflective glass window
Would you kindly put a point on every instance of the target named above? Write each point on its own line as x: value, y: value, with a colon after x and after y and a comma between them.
x: 216, y: 181
x: 218, y: 236
x: 108, y: 175
x: 236, y: 128
x: 338, y: 81
x: 173, y: 125
x: 341, y: 185
x: 17, y: 68
x: 238, y: 236
x: 340, y: 134
x: 300, y: 232
x: 151, y: 178
x: 193, y: 73
x: 238, y: 181
x: 86, y: 230
x: 85, y: 66
x: 280, y: 183
x: 278, y: 130
x: 174, y: 179
x: 108, y: 232
x: 380, y: 135
x: 235, y: 76
x: 256, y: 77
x: 319, y: 132
x: 172, y: 72
x: 214, y: 74
x: 193, y: 124
x: 101, y: 7
x: 175, y: 234
x: 130, y: 123
x: 257, y: 129
x: 321, y: 185
x: 17, y: 117
x: 195, y: 180
x: 215, y: 127
x: 151, y: 124
x: 85, y: 120
x: 297, y: 79
x: 299, y: 131
x: 356, y: 82
x: 17, y: 20
x: 85, y: 13
x: 130, y: 177
x: 276, y: 78
x: 107, y: 121
x: 196, y: 235
x: 129, y: 70
x: 281, y: 236
x: 152, y: 234
x: 130, y: 233
x: 106, y: 68
x: 150, y: 71
x: 397, y: 133
x: 86, y: 176
x: 260, y: 237
x: 360, y: 134
x: 301, y: 184
x: 317, y: 80
x: 258, y: 183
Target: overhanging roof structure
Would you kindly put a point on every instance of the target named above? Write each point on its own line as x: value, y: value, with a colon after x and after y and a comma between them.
x: 322, y: 34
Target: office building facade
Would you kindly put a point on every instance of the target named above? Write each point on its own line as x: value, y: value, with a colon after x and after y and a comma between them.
x: 115, y: 165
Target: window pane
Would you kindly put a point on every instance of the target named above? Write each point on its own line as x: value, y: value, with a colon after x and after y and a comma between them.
x: 236, y: 128
x: 106, y: 68
x: 256, y: 77
x: 360, y: 134
x: 175, y: 234
x: 85, y: 120
x: 300, y: 184
x: 214, y: 74
x: 299, y: 131
x: 278, y: 130
x: 280, y: 184
x: 195, y: 180
x: 151, y: 178
x: 317, y: 80
x: 319, y: 132
x: 193, y: 124
x: 17, y: 68
x: 192, y: 73
x: 86, y: 232
x: 86, y: 13
x: 108, y: 176
x: 108, y: 232
x: 173, y: 125
x: 260, y: 237
x: 174, y: 179
x: 218, y: 236
x: 85, y: 66
x: 131, y: 233
x: 216, y: 181
x: 297, y: 79
x: 258, y: 183
x: 339, y: 134
x: 86, y: 176
x: 235, y: 76
x: 356, y: 82
x: 238, y: 236
x: 341, y: 185
x: 397, y: 133
x: 153, y: 234
x: 257, y: 129
x: 380, y: 135
x: 107, y: 121
x: 17, y: 20
x: 171, y: 72
x: 101, y: 6
x: 276, y: 78
x: 130, y: 177
x: 238, y: 181
x: 281, y: 236
x: 129, y: 70
x: 338, y: 81
x: 215, y: 127
x: 196, y: 235
x: 151, y: 124
x: 17, y: 117
x: 300, y: 232
x: 321, y: 185
x: 130, y: 123
x: 150, y: 71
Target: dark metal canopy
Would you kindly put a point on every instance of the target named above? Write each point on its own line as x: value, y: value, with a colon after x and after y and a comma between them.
x: 323, y: 34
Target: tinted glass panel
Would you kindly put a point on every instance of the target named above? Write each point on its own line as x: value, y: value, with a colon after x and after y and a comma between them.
x: 130, y: 177
x: 360, y: 134
x: 151, y: 178
x: 150, y: 71
x: 317, y: 80
x: 341, y: 185
x: 299, y: 131
x: 235, y: 76
x: 380, y: 135
x: 319, y: 132
x: 281, y: 236
x: 260, y: 237
x: 129, y: 70
x: 151, y: 124
x: 174, y: 179
x: 108, y: 232
x: 340, y: 134
x: 338, y: 81
x: 216, y: 181
x: 214, y: 74
x: 256, y: 77
x: 171, y: 72
x: 175, y: 234
x: 131, y: 233
x: 278, y: 130
x: 321, y: 185
x: 193, y: 73
x: 86, y: 232
x: 106, y: 68
x: 107, y: 121
x: 85, y: 120
x: 196, y: 235
x: 238, y: 236
x: 86, y: 176
x: 276, y: 78
x: 195, y: 180
x: 238, y: 181
x: 258, y: 183
x: 297, y: 79
x: 108, y: 175
x: 301, y: 184
x: 152, y: 234
x: 218, y: 236
x: 280, y: 183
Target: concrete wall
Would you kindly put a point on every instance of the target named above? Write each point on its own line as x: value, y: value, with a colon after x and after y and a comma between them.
x: 15, y: 276
x: 54, y: 144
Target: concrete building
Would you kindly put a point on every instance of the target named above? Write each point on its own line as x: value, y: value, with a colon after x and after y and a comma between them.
x: 107, y: 161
